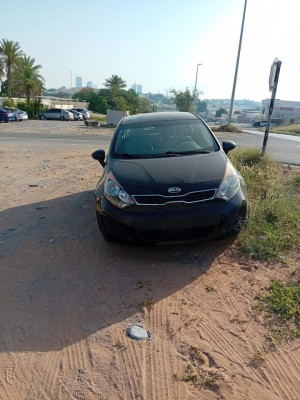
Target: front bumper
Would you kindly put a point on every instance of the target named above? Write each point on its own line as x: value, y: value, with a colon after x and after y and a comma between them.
x: 172, y: 223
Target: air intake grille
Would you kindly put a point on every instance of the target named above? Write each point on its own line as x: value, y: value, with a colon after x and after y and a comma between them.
x: 159, y: 200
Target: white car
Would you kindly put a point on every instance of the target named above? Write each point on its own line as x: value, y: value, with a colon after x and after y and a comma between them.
x: 18, y: 114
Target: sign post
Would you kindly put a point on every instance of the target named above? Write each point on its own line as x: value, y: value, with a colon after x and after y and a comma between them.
x: 273, y: 81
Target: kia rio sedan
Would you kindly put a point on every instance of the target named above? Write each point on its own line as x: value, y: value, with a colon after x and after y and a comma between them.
x: 167, y: 179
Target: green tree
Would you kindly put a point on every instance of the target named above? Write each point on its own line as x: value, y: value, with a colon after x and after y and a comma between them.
x: 27, y: 80
x: 201, y: 106
x: 115, y: 83
x: 145, y: 105
x: 132, y: 99
x: 10, y: 54
x: 121, y: 103
x: 4, y: 89
x: 184, y: 100
x: 220, y: 112
x: 2, y: 73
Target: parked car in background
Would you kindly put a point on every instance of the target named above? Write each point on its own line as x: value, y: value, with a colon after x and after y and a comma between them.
x: 19, y: 115
x: 166, y: 178
x: 77, y: 115
x: 83, y: 111
x: 57, y: 113
x: 6, y: 116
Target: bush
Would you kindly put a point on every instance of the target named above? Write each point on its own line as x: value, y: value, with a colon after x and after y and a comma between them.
x: 273, y: 223
x: 227, y: 128
x: 33, y: 108
x: 9, y: 103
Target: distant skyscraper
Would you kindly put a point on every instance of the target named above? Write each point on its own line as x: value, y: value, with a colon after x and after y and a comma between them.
x: 79, y: 81
x: 89, y: 84
x: 137, y: 88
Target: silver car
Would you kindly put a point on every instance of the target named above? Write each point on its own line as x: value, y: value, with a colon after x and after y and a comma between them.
x: 18, y: 114
x: 83, y: 111
x: 57, y: 113
x: 77, y: 115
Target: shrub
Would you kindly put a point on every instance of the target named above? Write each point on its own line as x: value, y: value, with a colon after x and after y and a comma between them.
x: 273, y: 222
x: 227, y: 128
x: 33, y: 108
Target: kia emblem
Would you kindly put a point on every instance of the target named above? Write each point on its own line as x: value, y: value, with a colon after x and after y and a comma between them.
x: 174, y: 190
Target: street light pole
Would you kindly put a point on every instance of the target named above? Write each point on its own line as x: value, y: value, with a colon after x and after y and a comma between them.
x: 196, y: 84
x: 237, y: 65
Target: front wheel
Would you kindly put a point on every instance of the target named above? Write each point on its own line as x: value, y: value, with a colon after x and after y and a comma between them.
x: 106, y: 235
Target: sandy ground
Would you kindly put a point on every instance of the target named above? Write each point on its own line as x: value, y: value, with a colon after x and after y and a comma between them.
x: 67, y: 299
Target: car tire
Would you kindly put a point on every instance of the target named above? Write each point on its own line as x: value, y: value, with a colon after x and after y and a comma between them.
x: 6, y: 121
x: 42, y: 117
x: 106, y: 235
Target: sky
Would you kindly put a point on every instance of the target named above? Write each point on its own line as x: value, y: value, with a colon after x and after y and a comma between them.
x: 159, y: 43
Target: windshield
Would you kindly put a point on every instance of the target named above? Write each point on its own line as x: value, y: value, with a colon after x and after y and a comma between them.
x: 163, y: 138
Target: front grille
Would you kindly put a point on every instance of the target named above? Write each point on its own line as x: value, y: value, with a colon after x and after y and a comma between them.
x: 158, y: 199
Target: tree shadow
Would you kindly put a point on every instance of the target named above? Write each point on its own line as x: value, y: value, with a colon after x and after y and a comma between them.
x: 60, y: 282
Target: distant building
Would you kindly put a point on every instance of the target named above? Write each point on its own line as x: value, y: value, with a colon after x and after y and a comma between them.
x: 79, y: 82
x: 137, y: 88
x: 282, y: 108
x: 95, y: 86
x: 89, y: 84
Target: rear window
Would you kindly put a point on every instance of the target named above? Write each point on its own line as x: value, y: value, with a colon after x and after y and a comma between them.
x: 159, y: 137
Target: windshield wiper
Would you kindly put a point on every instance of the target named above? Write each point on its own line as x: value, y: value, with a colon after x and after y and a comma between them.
x: 195, y: 152
x: 127, y: 155
x: 168, y: 154
x: 181, y: 153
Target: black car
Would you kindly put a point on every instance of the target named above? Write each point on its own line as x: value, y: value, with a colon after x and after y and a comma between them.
x: 166, y: 178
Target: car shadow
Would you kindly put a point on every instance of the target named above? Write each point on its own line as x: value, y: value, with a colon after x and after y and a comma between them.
x: 61, y: 282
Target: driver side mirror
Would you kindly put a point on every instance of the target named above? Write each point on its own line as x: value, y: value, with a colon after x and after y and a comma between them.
x: 228, y: 145
x: 99, y: 155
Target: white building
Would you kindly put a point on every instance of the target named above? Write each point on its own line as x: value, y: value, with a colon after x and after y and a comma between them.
x: 283, y: 109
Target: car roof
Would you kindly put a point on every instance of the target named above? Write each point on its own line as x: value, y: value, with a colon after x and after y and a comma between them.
x: 158, y: 116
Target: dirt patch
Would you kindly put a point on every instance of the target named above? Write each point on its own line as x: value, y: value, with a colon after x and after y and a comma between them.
x: 67, y: 299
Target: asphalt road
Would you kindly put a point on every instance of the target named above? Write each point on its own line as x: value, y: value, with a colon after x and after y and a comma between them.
x: 284, y: 148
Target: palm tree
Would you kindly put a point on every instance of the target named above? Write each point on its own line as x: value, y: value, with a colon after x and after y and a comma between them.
x: 9, y: 54
x: 115, y: 83
x: 1, y: 69
x: 27, y: 79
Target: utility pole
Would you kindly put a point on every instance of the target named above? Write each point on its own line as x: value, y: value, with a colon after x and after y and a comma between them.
x: 196, y: 85
x: 237, y: 66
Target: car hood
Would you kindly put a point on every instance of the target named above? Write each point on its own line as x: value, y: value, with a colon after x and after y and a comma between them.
x: 181, y: 170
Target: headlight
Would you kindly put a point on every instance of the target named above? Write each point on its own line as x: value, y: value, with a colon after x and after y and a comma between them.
x: 230, y: 184
x: 114, y: 192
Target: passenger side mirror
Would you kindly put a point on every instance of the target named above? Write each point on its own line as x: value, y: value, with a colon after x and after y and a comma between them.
x: 99, y: 155
x: 228, y: 145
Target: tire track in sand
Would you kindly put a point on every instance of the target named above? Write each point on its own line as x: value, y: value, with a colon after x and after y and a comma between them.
x: 164, y: 321
x: 287, y: 379
x: 132, y: 364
